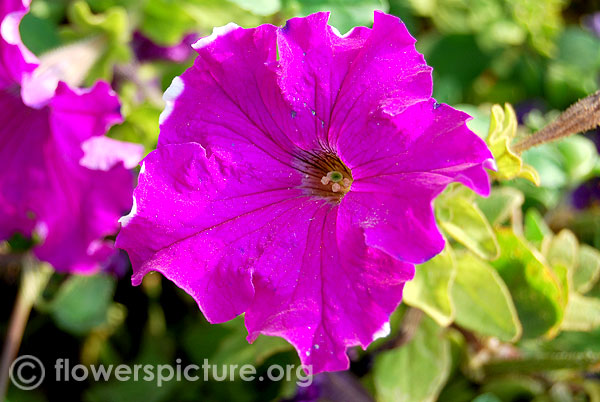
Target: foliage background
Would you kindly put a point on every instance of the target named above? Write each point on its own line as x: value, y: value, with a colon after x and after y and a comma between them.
x: 509, y: 312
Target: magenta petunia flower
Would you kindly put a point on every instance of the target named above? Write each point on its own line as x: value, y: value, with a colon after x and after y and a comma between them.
x: 294, y: 178
x: 61, y: 179
x: 15, y: 59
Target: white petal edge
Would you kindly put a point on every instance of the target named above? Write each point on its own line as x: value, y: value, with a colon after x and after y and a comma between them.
x: 383, y: 332
x: 170, y: 95
x: 337, y: 32
x: 217, y: 31
x: 124, y: 220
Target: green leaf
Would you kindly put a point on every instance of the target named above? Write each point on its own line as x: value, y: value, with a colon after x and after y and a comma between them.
x: 536, y: 228
x: 345, y: 14
x: 579, y: 156
x: 547, y: 161
x: 514, y: 388
x: 501, y: 204
x: 38, y: 34
x: 417, y: 370
x: 587, y: 272
x: 153, y: 351
x: 562, y: 253
x: 140, y: 125
x: 112, y: 26
x: 167, y: 21
x: 503, y: 128
x: 543, y: 198
x: 82, y: 302
x: 430, y: 288
x: 114, y: 23
x: 534, y: 286
x: 461, y: 219
x: 259, y: 7
x: 480, y: 121
x: 482, y: 301
x: 235, y: 349
x: 453, y: 78
x: 487, y: 398
x: 592, y: 388
x: 541, y: 363
x: 542, y: 21
x: 201, y: 340
x: 573, y: 73
x: 497, y: 23
x: 569, y: 160
x: 582, y: 314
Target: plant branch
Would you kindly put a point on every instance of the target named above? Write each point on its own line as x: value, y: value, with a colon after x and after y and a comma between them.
x: 34, y: 278
x: 582, y: 116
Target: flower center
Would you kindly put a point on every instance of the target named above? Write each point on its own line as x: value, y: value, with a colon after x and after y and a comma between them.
x: 325, y: 175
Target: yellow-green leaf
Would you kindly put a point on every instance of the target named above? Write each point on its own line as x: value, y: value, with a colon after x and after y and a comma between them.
x: 534, y: 287
x: 587, y: 272
x: 417, y: 371
x: 562, y: 249
x: 582, y: 314
x: 482, y: 300
x: 562, y: 254
x: 461, y: 219
x: 503, y: 129
x: 501, y: 204
x: 430, y: 288
x: 536, y: 229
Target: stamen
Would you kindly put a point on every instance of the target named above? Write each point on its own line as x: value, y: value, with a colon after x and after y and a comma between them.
x: 335, y: 177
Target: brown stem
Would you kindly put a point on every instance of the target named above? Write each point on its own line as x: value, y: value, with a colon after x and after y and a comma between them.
x: 34, y: 279
x: 410, y: 324
x: 582, y: 116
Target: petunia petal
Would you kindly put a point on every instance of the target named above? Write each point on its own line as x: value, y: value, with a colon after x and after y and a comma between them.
x: 334, y: 83
x: 22, y: 157
x: 45, y: 188
x: 84, y: 113
x: 15, y: 59
x: 229, y: 95
x: 426, y: 137
x: 313, y: 64
x: 410, y: 159
x: 336, y: 294
x: 220, y: 220
x: 396, y: 214
x: 235, y: 251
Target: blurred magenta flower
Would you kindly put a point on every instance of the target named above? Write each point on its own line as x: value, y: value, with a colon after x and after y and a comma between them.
x: 16, y: 59
x: 587, y: 195
x: 592, y: 22
x: 146, y: 50
x: 61, y: 179
x: 294, y: 178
